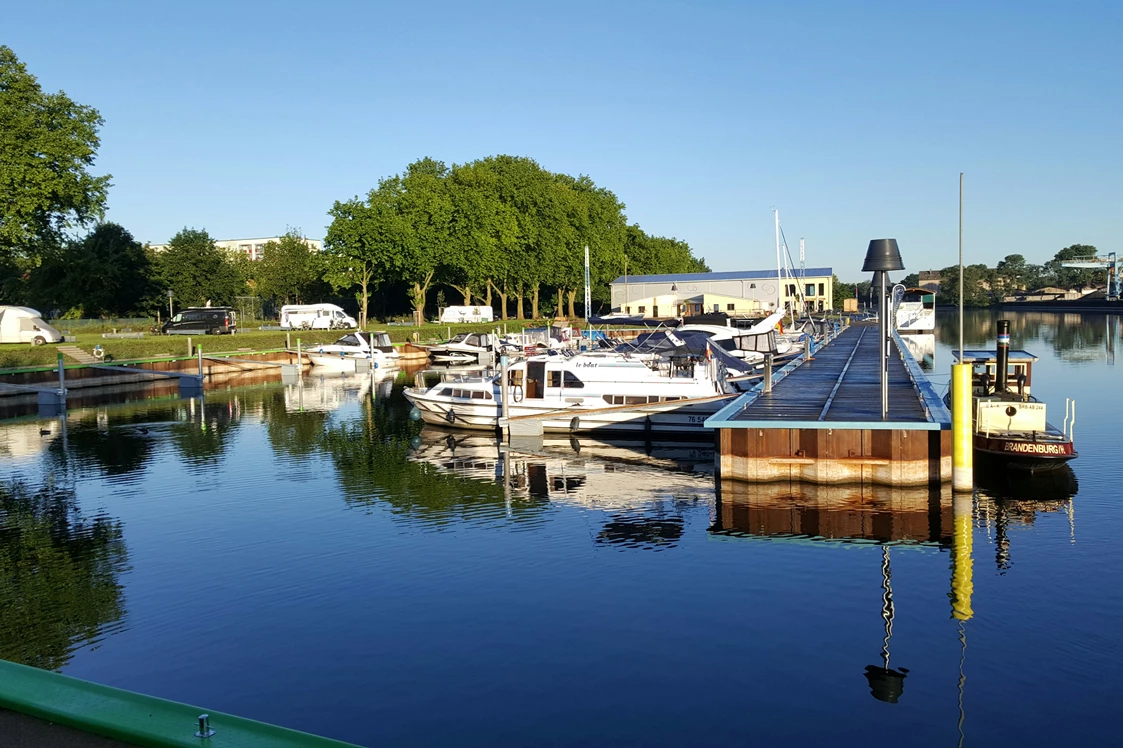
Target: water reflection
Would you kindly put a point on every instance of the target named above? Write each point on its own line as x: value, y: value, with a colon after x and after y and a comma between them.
x: 60, y: 572
x: 849, y: 513
x: 1073, y: 336
x: 469, y: 554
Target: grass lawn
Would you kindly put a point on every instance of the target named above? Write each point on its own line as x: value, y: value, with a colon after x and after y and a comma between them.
x: 155, y: 346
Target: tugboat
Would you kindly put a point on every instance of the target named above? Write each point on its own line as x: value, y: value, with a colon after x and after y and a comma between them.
x: 1009, y: 424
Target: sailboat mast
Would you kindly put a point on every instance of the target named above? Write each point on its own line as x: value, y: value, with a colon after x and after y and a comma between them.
x: 779, y: 271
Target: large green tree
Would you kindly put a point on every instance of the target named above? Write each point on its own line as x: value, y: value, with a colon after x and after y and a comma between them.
x: 978, y: 285
x: 105, y: 274
x: 48, y: 143
x: 365, y: 242
x: 289, y: 270
x: 196, y: 271
x: 1072, y: 277
x: 499, y: 225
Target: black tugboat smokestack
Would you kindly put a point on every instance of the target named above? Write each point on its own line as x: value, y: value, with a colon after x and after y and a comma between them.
x: 1002, y: 364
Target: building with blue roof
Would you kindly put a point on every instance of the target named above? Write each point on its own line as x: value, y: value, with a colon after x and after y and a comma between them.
x: 746, y: 292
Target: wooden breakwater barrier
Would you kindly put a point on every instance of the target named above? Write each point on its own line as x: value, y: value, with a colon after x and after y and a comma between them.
x: 53, y: 386
x: 821, y: 421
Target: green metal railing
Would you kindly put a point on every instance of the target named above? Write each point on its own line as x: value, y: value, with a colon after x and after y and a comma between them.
x: 135, y: 718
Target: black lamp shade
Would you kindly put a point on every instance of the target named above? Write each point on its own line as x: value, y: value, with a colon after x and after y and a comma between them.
x: 875, y: 282
x: 883, y: 254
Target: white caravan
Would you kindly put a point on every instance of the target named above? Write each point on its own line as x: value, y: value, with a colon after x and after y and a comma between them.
x: 20, y: 324
x: 454, y: 314
x: 316, y: 317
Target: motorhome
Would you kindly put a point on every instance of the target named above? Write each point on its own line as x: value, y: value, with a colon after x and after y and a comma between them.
x: 455, y: 314
x: 316, y: 317
x: 21, y: 324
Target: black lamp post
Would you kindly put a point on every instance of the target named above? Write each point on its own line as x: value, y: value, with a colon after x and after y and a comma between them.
x: 883, y: 256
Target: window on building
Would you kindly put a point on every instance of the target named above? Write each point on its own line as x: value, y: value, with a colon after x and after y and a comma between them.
x: 245, y: 248
x: 627, y: 310
x: 730, y: 307
x: 822, y: 289
x: 792, y: 290
x: 809, y: 289
x: 654, y: 311
x: 642, y: 309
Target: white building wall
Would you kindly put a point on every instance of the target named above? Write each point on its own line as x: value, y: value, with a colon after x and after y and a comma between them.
x: 762, y: 290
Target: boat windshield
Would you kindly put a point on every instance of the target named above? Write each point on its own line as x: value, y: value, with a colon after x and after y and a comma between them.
x: 380, y: 339
x: 349, y: 340
x: 459, y: 338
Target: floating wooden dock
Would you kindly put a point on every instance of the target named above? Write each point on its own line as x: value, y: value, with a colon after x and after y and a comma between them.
x: 822, y: 422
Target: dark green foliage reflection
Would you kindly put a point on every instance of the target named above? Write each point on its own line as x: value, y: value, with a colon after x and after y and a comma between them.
x: 59, y: 571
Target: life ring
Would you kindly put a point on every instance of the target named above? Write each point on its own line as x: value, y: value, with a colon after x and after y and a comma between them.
x: 99, y: 352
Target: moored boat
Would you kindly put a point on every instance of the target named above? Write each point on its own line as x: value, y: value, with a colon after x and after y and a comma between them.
x: 596, y: 391
x: 1010, y: 426
x: 342, y: 354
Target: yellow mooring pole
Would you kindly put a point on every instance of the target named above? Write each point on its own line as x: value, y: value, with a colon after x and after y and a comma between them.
x: 962, y: 442
x: 962, y: 570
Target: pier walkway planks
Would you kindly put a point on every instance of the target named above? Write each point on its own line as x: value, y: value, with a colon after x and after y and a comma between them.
x: 822, y: 423
x: 842, y: 383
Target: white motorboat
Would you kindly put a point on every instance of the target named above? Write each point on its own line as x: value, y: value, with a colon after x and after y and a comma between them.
x: 341, y: 355
x: 465, y: 348
x: 595, y: 391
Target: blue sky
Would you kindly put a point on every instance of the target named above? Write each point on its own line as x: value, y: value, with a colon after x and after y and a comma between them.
x: 853, y: 119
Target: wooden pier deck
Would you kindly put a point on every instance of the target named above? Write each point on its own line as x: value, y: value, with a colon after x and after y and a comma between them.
x: 822, y: 421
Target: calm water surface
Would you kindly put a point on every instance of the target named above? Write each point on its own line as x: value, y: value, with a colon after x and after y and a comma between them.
x: 311, y: 557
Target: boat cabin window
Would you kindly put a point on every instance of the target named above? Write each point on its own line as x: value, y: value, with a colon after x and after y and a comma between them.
x: 571, y: 381
x: 381, y: 340
x: 637, y: 399
x: 555, y: 379
x: 515, y: 378
x: 460, y: 394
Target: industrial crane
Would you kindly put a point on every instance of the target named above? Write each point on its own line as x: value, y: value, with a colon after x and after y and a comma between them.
x: 1113, y: 267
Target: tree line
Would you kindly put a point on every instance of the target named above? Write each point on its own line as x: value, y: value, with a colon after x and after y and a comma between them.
x: 498, y: 231
x: 983, y: 285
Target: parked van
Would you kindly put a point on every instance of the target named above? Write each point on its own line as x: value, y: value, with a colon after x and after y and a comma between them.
x: 203, y: 320
x: 453, y: 314
x: 316, y: 317
x: 20, y: 324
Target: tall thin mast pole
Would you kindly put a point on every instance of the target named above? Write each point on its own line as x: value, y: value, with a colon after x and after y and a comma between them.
x: 779, y: 273
x: 961, y: 267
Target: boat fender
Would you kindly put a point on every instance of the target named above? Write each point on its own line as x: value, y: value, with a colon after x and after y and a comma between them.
x: 575, y: 423
x: 375, y: 365
x: 450, y: 416
x: 415, y: 414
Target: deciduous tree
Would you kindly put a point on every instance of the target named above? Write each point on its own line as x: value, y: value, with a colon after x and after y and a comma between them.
x: 48, y: 143
x: 106, y: 273
x: 289, y: 269
x: 197, y: 271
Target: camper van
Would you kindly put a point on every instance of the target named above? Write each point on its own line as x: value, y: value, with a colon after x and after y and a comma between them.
x: 20, y: 324
x: 316, y: 317
x: 453, y: 314
x: 202, y: 320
